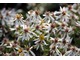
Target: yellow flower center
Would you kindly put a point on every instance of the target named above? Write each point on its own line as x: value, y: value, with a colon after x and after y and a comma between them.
x: 42, y: 21
x: 18, y: 16
x: 21, y: 54
x: 20, y: 50
x: 41, y: 37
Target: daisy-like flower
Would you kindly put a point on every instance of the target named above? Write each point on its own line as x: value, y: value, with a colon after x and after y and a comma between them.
x: 17, y: 29
x: 63, y: 15
x: 75, y: 8
x: 38, y: 29
x: 60, y: 44
x: 72, y: 52
x: 6, y: 43
x: 15, y: 45
x: 19, y: 20
x: 55, y: 42
x: 26, y: 52
x: 48, y: 17
x: 72, y: 8
x: 7, y: 17
x: 68, y: 39
x: 67, y: 30
x: 64, y: 40
x: 33, y: 17
x: 54, y: 51
x: 40, y: 42
x: 51, y: 29
x: 27, y: 33
x: 61, y: 24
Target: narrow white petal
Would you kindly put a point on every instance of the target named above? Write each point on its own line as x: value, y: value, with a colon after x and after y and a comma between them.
x: 42, y: 47
x: 32, y: 53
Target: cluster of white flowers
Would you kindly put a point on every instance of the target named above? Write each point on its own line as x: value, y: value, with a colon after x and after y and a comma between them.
x: 50, y: 34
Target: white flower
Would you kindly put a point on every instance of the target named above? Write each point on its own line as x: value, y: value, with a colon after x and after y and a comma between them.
x: 64, y: 16
x: 71, y: 52
x: 19, y: 20
x: 51, y: 28
x: 25, y: 52
x: 40, y: 42
x: 27, y: 33
x: 57, y: 42
x: 48, y: 17
x: 33, y: 17
x: 7, y: 17
x: 68, y: 30
x: 68, y: 39
x: 72, y: 8
x: 54, y: 51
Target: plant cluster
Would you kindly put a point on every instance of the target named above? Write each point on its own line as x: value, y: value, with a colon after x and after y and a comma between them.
x: 50, y: 35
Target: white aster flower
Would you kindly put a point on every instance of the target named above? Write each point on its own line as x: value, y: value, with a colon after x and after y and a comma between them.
x: 40, y: 42
x: 27, y: 33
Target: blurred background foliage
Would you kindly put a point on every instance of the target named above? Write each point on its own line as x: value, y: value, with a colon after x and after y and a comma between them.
x: 33, y: 6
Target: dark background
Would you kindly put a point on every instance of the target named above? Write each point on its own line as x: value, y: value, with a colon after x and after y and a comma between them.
x: 28, y: 6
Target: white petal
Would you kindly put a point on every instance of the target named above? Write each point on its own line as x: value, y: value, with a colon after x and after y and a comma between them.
x: 45, y: 42
x: 19, y: 37
x: 32, y: 53
x: 42, y: 47
x: 67, y: 53
x: 37, y: 41
x: 37, y: 47
x: 58, y: 52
